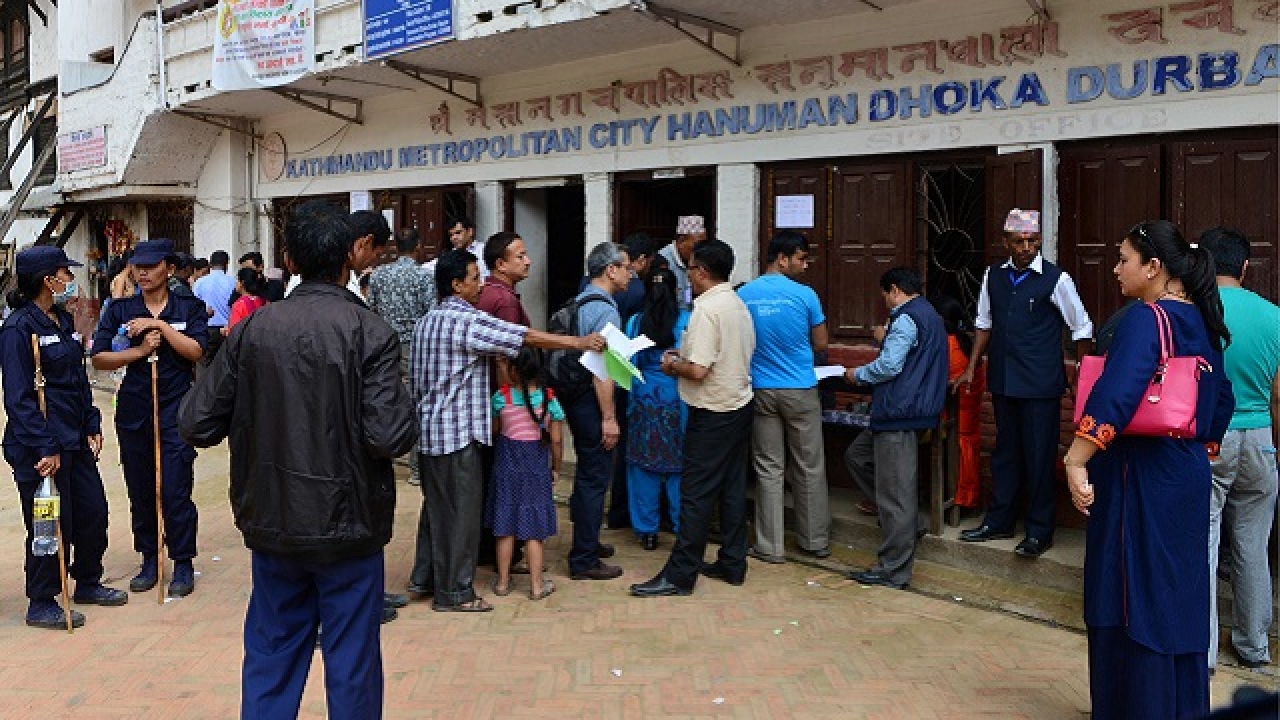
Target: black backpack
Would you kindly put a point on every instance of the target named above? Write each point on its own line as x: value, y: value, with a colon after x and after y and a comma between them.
x: 568, y: 377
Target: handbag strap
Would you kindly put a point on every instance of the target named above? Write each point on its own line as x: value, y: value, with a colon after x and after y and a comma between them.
x: 1165, y: 330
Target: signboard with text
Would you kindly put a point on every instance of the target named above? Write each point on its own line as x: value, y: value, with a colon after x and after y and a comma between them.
x: 82, y: 149
x: 263, y: 43
x: 396, y: 26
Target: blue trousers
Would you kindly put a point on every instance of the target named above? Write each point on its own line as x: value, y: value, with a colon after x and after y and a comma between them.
x: 84, y: 519
x: 590, y: 481
x: 289, y: 602
x: 177, y: 468
x: 1025, y: 455
x: 644, y: 498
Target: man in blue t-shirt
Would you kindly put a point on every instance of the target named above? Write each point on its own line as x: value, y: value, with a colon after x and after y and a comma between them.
x: 1244, y: 475
x: 786, y: 440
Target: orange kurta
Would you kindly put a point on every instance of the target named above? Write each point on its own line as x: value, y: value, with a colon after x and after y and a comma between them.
x: 968, y: 426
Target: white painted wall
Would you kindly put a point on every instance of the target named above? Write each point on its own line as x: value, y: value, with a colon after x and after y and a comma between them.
x: 531, y: 223
x: 490, y: 199
x: 738, y: 216
x: 223, y: 212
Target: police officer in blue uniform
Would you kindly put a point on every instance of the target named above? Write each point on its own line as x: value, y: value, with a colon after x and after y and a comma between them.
x: 65, y: 444
x: 175, y: 328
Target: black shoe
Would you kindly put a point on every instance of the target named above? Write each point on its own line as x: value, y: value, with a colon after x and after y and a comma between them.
x: 821, y: 553
x: 983, y: 534
x: 394, y: 600
x: 873, y: 577
x: 99, y: 595
x: 1033, y: 547
x: 147, y: 575
x: 184, y: 579
x: 388, y: 614
x: 658, y: 587
x: 716, y: 571
x: 762, y: 557
x: 422, y: 590
x: 599, y: 572
x: 48, y: 614
x: 649, y: 542
x: 604, y: 551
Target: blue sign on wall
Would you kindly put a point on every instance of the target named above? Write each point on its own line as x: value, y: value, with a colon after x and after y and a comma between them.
x: 394, y: 26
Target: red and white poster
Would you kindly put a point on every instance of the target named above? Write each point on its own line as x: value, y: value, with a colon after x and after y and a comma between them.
x: 82, y: 149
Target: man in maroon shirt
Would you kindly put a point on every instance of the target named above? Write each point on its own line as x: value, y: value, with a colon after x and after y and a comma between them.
x: 508, y: 263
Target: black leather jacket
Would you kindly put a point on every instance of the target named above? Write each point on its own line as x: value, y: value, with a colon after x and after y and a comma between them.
x: 308, y: 389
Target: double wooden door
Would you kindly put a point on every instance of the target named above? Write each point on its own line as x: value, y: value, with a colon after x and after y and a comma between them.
x: 1197, y: 182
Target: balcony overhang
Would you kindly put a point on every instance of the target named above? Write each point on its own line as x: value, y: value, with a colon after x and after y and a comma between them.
x: 526, y: 48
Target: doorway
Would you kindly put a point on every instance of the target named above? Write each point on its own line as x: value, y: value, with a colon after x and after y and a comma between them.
x: 552, y: 220
x: 650, y: 202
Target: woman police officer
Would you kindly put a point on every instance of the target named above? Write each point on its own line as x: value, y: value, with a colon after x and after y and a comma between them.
x: 63, y: 444
x: 175, y: 328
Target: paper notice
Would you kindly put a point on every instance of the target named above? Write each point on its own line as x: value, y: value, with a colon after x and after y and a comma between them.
x: 823, y: 372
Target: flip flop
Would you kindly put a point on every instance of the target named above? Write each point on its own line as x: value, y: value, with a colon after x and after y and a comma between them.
x: 475, y: 606
x: 501, y: 591
x: 548, y: 587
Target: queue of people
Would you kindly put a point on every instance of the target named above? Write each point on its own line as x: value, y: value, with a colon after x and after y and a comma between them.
x: 446, y: 370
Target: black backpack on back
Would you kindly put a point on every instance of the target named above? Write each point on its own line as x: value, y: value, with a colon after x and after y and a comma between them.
x: 567, y: 376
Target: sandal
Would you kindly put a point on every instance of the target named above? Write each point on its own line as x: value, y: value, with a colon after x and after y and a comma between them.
x: 475, y: 606
x: 548, y: 587
x: 501, y: 591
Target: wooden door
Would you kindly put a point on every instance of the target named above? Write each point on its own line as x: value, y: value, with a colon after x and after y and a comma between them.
x: 422, y: 211
x: 1013, y: 180
x: 1105, y: 190
x: 1232, y: 183
x: 871, y: 208
x: 801, y: 180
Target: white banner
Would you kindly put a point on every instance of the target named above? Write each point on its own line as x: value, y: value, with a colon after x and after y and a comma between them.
x: 263, y: 43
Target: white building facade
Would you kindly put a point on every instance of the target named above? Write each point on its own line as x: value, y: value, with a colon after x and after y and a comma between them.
x: 892, y: 133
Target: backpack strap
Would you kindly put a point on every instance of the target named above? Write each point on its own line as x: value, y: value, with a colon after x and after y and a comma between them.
x: 580, y: 303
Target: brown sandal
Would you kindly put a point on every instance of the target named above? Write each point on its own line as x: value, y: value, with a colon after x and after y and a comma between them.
x: 548, y: 587
x: 475, y: 606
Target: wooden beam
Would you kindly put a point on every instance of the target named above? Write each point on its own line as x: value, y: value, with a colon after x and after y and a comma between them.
x: 27, y: 136
x: 49, y: 226
x: 20, y: 197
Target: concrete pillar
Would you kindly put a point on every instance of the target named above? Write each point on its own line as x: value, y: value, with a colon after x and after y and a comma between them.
x: 738, y: 216
x: 598, y: 188
x: 222, y: 213
x: 531, y: 222
x: 490, y: 208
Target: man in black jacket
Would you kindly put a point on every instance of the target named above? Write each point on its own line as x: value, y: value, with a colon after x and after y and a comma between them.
x: 313, y: 497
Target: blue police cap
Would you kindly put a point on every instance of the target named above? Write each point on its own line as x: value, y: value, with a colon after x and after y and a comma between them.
x: 43, y: 259
x: 152, y: 252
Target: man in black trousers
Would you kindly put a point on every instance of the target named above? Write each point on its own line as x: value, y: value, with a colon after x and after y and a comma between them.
x: 714, y: 371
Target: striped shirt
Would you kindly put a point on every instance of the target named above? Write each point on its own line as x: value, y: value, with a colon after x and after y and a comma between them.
x: 449, y: 369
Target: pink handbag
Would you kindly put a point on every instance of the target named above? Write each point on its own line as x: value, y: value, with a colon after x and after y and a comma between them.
x: 1169, y: 408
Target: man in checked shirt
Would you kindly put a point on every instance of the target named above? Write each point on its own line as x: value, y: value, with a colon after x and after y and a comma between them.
x: 453, y: 351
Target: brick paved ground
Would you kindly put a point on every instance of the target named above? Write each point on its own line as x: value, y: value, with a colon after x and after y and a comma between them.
x: 795, y: 642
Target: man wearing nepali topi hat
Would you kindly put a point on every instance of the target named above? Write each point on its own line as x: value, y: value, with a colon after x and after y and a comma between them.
x: 1024, y: 304
x: 690, y: 230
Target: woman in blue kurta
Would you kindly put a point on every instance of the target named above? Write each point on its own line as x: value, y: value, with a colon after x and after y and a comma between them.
x: 1146, y: 585
x: 656, y: 416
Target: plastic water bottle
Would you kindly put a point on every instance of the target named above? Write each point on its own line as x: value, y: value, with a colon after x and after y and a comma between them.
x: 44, y: 517
x: 120, y: 342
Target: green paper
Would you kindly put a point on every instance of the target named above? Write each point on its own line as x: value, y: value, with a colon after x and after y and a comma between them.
x: 620, y: 369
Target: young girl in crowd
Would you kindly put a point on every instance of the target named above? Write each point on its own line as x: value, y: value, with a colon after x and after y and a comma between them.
x: 969, y: 423
x: 526, y: 460
x: 250, y: 285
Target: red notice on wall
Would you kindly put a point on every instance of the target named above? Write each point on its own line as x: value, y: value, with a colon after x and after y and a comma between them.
x: 82, y: 149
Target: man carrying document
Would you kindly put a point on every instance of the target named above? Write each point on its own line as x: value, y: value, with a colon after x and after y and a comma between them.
x: 786, y: 435
x: 713, y: 366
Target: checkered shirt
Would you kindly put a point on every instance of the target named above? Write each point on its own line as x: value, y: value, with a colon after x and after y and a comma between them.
x: 449, y: 366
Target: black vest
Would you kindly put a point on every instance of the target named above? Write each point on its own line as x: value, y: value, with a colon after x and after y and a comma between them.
x: 913, y: 400
x: 1025, y: 354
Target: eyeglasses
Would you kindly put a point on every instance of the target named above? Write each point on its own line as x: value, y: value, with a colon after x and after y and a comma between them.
x: 693, y: 266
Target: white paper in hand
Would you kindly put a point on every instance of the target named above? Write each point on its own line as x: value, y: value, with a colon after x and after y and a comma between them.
x: 823, y: 372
